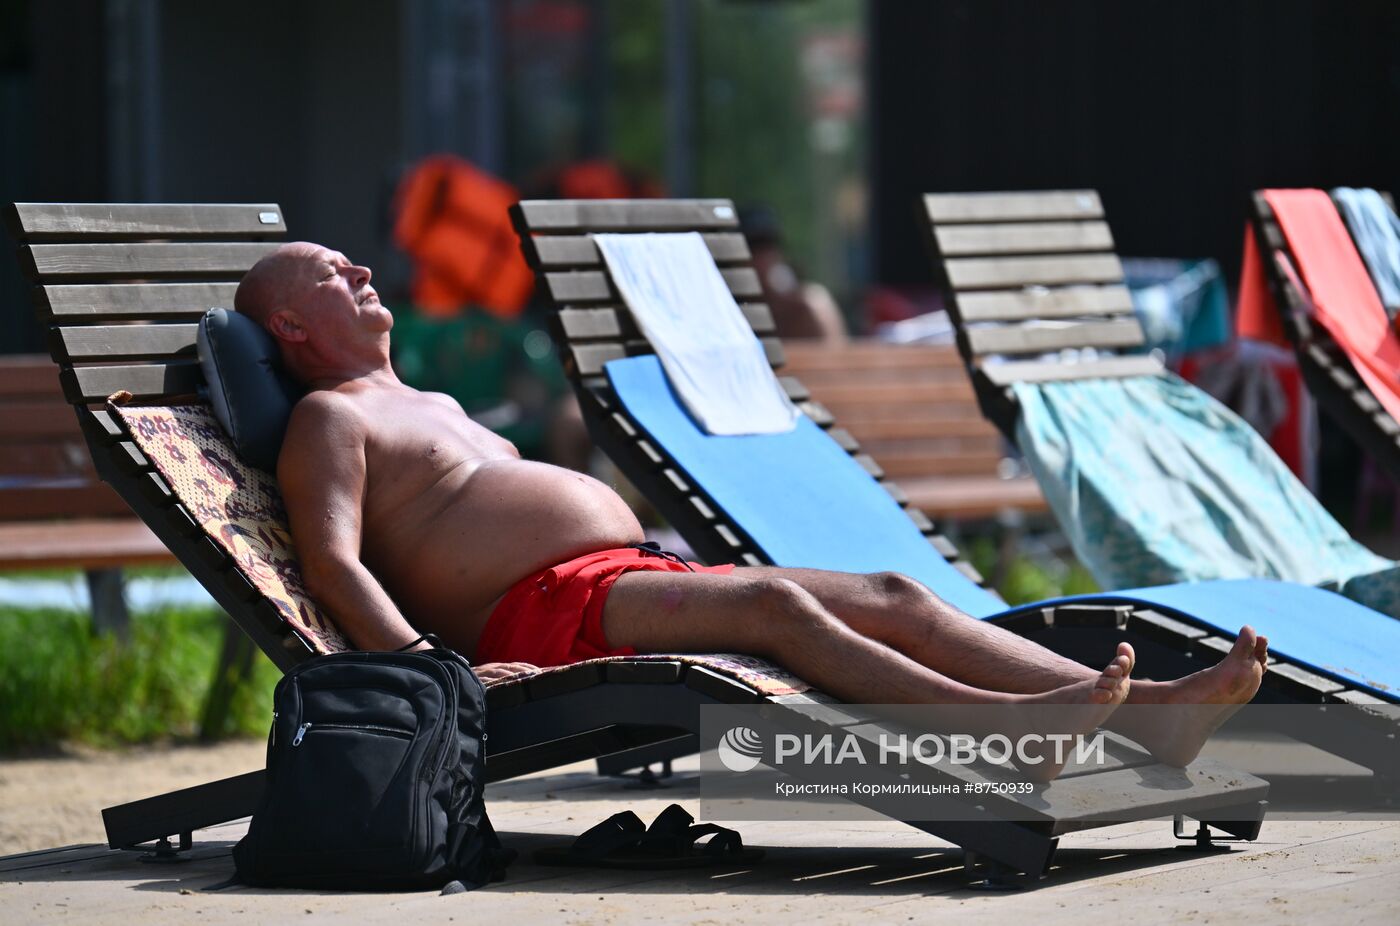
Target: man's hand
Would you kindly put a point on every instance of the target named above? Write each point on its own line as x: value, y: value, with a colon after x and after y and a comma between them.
x: 490, y: 671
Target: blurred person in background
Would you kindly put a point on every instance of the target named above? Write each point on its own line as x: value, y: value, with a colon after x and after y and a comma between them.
x: 801, y: 309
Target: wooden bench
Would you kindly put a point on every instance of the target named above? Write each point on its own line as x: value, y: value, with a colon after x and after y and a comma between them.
x: 912, y: 409
x: 54, y: 510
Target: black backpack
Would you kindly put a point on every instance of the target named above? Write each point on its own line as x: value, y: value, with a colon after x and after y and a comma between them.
x: 375, y: 770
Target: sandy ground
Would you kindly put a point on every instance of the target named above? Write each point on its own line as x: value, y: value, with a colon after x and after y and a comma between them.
x: 1345, y: 870
x: 58, y: 801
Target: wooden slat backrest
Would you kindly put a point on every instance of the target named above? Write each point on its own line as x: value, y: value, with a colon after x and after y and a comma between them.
x: 39, y: 222
x: 1329, y: 373
x: 1035, y: 291
x: 122, y: 285
x: 592, y: 326
x: 121, y: 288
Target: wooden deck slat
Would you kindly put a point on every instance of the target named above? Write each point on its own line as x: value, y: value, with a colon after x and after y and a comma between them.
x: 89, y: 499
x: 875, y: 428
x: 912, y: 393
x: 1013, y: 207
x: 1036, y: 371
x: 912, y: 463
x: 837, y: 378
x: 29, y: 419
x: 134, y: 300
x: 1026, y: 304
x: 952, y: 416
x: 1003, y: 272
x: 110, y: 342
x: 1023, y: 238
x: 1033, y: 339
x: 140, y: 260
x: 143, y: 381
x: 28, y: 374
x: 557, y: 251
x: 574, y: 286
x: 805, y: 358
x: 544, y: 216
x: 588, y: 359
x: 53, y: 221
x: 971, y: 496
x: 91, y: 543
x: 34, y: 457
x: 586, y: 323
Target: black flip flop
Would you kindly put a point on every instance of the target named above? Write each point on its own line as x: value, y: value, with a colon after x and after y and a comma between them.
x: 621, y: 841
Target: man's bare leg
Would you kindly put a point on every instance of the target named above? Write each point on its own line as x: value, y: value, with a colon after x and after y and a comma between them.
x: 904, y: 614
x: 776, y: 618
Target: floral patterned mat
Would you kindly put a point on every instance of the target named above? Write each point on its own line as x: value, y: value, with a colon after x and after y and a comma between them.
x: 238, y: 506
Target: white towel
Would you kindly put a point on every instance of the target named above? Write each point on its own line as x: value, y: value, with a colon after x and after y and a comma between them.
x: 709, y: 352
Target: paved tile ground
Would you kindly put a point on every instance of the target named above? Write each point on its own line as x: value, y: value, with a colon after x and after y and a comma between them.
x: 1344, y: 870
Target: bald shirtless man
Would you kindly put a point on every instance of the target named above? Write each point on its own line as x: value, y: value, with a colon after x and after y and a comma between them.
x: 409, y: 517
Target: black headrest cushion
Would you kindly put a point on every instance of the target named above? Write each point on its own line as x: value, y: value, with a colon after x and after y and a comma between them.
x: 251, y: 395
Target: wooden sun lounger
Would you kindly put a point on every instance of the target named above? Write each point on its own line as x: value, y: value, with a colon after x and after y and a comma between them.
x: 592, y: 327
x: 1328, y: 372
x: 1032, y: 274
x: 122, y: 287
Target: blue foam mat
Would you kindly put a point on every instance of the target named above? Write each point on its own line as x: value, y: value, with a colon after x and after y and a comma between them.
x: 805, y: 502
x: 798, y: 495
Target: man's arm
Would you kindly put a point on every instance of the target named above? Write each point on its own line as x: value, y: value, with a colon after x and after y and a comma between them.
x: 321, y: 470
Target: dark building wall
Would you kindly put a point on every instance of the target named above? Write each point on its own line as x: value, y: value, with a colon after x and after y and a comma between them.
x: 1173, y: 109
x: 259, y: 101
x: 52, y: 117
x: 295, y: 103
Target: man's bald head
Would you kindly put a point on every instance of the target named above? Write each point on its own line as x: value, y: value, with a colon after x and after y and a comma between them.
x: 320, y: 307
x: 272, y: 282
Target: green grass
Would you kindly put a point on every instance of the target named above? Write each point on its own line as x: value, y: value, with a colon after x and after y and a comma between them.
x: 59, y: 682
x: 1028, y: 580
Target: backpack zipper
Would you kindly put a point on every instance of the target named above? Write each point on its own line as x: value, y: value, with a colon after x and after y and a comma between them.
x: 449, y: 719
x: 372, y: 727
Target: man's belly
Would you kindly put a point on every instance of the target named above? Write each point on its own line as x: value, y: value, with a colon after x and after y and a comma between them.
x: 450, y: 554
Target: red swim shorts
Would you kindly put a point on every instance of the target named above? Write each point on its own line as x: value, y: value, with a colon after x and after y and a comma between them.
x: 555, y: 617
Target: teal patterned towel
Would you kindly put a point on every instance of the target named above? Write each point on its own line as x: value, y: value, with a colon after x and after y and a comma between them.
x: 1155, y: 482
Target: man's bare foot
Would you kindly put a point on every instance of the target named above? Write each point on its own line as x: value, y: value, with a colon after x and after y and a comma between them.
x: 1073, y: 710
x: 1201, y: 702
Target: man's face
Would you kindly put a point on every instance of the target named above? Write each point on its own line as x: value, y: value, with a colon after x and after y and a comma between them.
x: 334, y: 295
